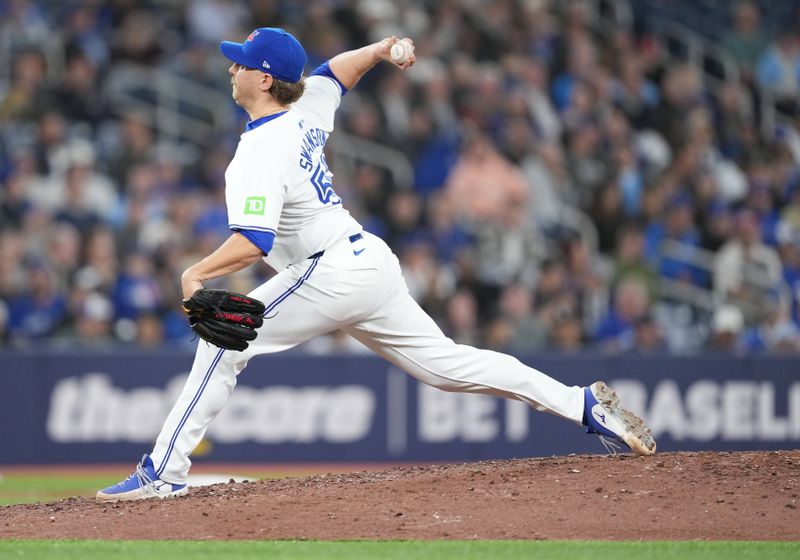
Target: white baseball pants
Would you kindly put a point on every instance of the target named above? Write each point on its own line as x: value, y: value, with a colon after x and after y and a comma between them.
x: 358, y: 287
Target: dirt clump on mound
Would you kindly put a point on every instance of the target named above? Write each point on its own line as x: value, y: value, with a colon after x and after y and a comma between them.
x: 743, y: 495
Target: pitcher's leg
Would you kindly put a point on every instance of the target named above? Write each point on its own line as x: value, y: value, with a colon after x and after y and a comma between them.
x: 406, y: 336
x: 205, y: 393
x: 298, y: 309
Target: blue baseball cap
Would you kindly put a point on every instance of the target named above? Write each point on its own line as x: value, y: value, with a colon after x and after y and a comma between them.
x: 271, y: 50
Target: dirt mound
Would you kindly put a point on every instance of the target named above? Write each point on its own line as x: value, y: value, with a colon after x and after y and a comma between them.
x: 751, y: 495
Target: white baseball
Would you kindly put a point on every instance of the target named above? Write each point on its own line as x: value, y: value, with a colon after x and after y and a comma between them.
x: 400, y: 52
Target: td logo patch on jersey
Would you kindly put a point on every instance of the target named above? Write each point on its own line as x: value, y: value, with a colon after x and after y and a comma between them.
x: 255, y: 205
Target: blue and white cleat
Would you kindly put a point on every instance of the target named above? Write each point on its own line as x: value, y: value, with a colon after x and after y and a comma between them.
x: 141, y: 485
x: 603, y: 415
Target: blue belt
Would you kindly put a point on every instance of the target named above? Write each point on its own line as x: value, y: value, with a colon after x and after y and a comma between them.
x: 353, y: 238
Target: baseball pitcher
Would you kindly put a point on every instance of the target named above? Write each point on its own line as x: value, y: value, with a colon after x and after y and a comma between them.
x: 282, y: 207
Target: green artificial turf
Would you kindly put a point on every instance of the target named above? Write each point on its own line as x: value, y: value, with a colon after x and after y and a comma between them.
x: 405, y: 550
x: 17, y: 488
x: 29, y: 488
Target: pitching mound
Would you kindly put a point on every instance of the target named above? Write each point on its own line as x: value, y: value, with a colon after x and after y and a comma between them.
x: 668, y: 496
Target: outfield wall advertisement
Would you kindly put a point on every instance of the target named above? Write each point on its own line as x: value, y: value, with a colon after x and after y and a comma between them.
x: 102, y: 408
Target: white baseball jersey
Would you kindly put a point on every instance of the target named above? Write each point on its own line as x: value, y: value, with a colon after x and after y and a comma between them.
x: 279, y: 181
x: 331, y: 276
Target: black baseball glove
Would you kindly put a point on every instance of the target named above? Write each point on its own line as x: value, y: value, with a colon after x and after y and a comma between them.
x: 225, y: 319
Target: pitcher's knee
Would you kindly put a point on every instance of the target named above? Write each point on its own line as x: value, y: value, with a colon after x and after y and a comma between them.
x: 441, y: 381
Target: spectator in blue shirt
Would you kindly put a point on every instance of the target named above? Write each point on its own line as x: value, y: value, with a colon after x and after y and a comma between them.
x: 40, y: 311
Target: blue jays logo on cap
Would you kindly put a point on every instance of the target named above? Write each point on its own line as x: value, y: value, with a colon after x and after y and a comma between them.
x: 271, y: 50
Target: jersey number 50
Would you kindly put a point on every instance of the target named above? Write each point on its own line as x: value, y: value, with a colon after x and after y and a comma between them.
x: 322, y: 179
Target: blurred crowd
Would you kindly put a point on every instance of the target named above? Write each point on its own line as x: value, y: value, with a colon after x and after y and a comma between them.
x: 573, y: 189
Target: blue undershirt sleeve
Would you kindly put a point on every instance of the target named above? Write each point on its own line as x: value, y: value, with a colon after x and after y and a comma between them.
x: 324, y: 69
x: 261, y: 239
